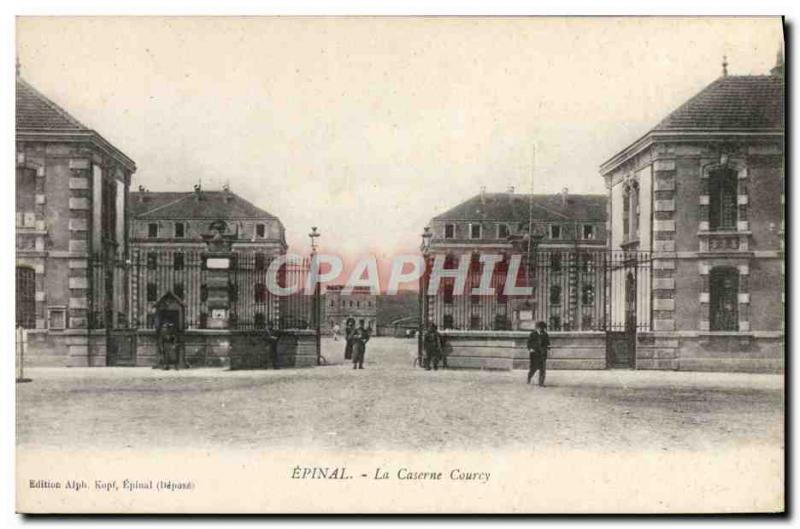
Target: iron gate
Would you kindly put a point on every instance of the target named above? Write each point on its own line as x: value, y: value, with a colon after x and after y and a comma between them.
x: 575, y: 290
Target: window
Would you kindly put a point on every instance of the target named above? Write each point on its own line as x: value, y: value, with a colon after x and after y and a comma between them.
x: 449, y: 231
x: 260, y: 320
x: 260, y: 293
x: 587, y: 294
x: 474, y: 322
x: 177, y: 289
x: 152, y: 292
x: 588, y: 232
x: 555, y: 231
x: 26, y: 197
x: 108, y: 210
x: 474, y: 231
x: 261, y: 261
x: 626, y: 214
x: 502, y: 231
x: 555, y: 295
x: 722, y: 208
x: 724, y: 298
x: 180, y: 230
x: 555, y: 262
x: 26, y: 297
x: 449, y: 286
x: 261, y: 230
x: 447, y: 321
x: 555, y: 322
x: 177, y: 262
x: 152, y: 260
x: 57, y: 318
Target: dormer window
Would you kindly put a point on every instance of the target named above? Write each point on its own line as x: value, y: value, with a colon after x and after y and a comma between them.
x: 449, y: 231
x: 180, y: 230
x: 152, y: 230
x: 261, y: 230
x: 588, y: 232
x: 555, y: 231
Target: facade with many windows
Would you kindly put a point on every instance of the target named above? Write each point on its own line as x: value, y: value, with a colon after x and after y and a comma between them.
x: 171, y: 234
x: 360, y: 304
x: 565, y: 270
x: 71, y: 202
x: 703, y: 191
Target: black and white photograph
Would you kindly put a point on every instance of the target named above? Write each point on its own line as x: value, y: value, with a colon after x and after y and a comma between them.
x: 400, y: 265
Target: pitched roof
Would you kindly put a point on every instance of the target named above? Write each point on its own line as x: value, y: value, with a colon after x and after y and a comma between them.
x: 732, y: 103
x: 184, y: 205
x: 513, y: 207
x: 37, y: 112
x: 37, y: 116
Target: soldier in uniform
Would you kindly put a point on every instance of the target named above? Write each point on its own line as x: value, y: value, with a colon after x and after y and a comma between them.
x: 360, y: 339
x: 432, y: 342
x: 538, y: 345
x: 349, y: 332
x: 169, y: 346
x: 270, y: 337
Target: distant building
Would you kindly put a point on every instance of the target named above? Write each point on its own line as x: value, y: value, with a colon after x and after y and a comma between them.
x: 71, y: 210
x: 566, y: 294
x: 360, y: 304
x: 704, y: 192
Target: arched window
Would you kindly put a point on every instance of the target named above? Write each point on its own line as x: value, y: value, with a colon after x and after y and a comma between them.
x: 724, y: 299
x: 722, y: 209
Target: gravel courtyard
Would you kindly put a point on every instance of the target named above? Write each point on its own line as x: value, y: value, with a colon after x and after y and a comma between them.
x: 391, y: 405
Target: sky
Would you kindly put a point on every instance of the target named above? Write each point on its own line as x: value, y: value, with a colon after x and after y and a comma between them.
x: 369, y: 127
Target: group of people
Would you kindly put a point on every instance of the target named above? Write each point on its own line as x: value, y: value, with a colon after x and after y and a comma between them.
x: 356, y: 339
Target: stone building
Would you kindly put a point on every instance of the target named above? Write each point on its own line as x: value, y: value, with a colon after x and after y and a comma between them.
x: 174, y: 234
x: 71, y: 210
x: 360, y: 304
x: 703, y: 191
x: 565, y: 271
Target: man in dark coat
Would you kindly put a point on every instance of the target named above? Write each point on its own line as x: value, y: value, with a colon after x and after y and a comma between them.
x: 349, y: 333
x: 360, y: 339
x: 538, y: 345
x: 270, y: 338
x: 433, y: 347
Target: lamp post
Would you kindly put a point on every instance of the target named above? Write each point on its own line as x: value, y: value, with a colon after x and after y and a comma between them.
x: 314, y: 269
x: 425, y: 248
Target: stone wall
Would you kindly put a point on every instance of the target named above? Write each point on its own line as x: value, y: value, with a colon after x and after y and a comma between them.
x: 507, y: 350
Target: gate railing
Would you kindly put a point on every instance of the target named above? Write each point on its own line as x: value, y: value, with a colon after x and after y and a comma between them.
x: 571, y: 290
x: 149, y: 274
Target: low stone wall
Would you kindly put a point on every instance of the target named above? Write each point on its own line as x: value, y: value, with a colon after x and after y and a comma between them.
x: 296, y: 348
x: 67, y: 348
x: 508, y: 350
x: 750, y: 352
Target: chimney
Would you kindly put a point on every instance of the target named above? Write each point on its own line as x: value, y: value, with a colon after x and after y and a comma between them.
x: 564, y: 195
x: 510, y: 190
x: 724, y: 66
x: 197, y: 192
x: 483, y: 194
x: 227, y: 192
x: 142, y: 191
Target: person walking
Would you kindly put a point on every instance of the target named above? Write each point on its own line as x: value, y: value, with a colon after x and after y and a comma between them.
x: 360, y: 339
x: 538, y: 346
x: 335, y: 332
x: 433, y: 347
x: 349, y: 333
